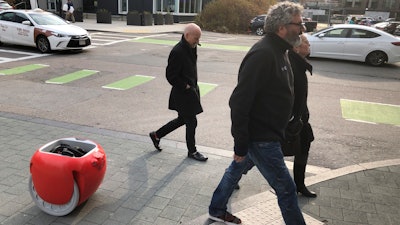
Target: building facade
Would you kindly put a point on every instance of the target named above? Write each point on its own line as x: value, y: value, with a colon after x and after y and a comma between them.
x: 346, y: 7
x: 190, y: 8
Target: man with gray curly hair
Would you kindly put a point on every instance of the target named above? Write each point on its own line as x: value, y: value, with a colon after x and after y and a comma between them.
x: 261, y: 107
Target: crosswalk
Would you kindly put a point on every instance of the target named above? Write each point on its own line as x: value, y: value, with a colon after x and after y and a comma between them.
x: 98, y: 39
x: 107, y: 38
x: 80, y: 75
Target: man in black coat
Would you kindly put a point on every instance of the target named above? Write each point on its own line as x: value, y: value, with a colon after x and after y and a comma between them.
x: 181, y: 73
x: 261, y: 107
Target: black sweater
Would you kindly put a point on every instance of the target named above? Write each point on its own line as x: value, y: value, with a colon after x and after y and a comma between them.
x: 262, y: 101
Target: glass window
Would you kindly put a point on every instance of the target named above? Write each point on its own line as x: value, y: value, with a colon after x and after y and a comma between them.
x: 52, y: 5
x: 190, y: 6
x: 19, y: 18
x: 337, y: 33
x: 165, y: 6
x: 122, y: 6
x: 7, y: 16
x: 358, y: 33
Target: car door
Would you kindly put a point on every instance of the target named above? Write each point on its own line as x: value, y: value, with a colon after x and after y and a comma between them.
x: 6, y: 27
x: 357, y: 43
x: 24, y: 32
x: 329, y: 44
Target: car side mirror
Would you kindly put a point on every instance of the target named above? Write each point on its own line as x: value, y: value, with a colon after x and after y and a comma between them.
x: 26, y: 22
x: 321, y: 35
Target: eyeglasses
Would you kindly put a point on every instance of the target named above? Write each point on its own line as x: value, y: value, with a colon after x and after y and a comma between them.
x: 301, y: 24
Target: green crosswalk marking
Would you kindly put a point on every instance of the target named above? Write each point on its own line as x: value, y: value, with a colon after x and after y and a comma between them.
x: 205, y: 88
x: 370, y: 112
x: 129, y: 82
x: 203, y: 45
x: 22, y: 69
x: 71, y: 77
x: 226, y: 47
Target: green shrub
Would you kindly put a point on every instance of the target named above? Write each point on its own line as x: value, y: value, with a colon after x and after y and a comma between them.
x: 231, y: 16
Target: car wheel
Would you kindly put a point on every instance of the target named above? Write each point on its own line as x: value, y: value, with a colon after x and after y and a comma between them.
x: 376, y: 58
x: 260, y: 31
x: 43, y: 44
x: 53, y: 209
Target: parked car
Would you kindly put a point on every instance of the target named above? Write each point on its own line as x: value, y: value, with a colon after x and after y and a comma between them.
x: 397, y: 31
x: 366, y: 22
x: 356, y: 43
x: 4, y: 5
x: 387, y: 26
x: 41, y: 29
x: 257, y: 25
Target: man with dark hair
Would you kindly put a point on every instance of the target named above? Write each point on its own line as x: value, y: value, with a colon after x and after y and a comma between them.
x: 261, y: 107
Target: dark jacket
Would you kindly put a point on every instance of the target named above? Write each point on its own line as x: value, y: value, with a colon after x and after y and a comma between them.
x: 182, y: 70
x: 300, y: 110
x: 261, y: 104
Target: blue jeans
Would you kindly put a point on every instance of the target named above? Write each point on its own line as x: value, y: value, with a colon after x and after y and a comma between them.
x: 268, y: 158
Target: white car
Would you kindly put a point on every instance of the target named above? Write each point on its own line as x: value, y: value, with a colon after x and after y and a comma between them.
x: 356, y: 43
x: 41, y: 29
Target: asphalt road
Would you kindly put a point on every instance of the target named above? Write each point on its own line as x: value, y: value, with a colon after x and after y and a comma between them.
x: 139, y: 110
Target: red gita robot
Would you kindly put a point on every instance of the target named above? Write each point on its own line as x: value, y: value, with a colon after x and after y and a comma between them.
x: 65, y: 173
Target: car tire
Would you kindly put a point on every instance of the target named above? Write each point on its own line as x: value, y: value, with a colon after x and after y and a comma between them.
x: 260, y: 31
x: 376, y: 58
x: 54, y: 209
x: 43, y: 44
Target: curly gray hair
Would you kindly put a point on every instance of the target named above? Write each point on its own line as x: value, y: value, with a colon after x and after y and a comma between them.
x: 281, y: 14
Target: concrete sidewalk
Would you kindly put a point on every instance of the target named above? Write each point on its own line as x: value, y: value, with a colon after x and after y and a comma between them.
x: 144, y: 186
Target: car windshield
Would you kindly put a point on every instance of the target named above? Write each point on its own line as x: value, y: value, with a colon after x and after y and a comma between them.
x: 47, y: 19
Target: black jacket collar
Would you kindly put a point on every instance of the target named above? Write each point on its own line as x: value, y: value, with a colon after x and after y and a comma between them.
x: 279, y: 42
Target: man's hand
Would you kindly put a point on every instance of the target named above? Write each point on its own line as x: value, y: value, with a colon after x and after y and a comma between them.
x: 237, y: 158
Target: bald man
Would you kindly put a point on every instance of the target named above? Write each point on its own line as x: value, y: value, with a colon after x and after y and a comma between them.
x: 181, y: 73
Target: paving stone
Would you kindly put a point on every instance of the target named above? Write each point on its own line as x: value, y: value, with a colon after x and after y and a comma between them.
x: 331, y: 213
x: 355, y: 216
x: 353, y: 195
x: 341, y: 203
x: 329, y: 192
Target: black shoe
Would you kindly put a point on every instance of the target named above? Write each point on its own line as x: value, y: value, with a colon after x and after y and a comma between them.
x: 156, y: 141
x: 237, y: 187
x: 197, y: 156
x: 306, y: 193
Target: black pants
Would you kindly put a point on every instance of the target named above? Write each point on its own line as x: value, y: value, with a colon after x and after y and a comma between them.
x: 191, y: 124
x: 301, y: 156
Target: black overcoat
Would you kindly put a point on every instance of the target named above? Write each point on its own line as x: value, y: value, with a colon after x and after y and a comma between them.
x: 300, y: 109
x: 182, y: 70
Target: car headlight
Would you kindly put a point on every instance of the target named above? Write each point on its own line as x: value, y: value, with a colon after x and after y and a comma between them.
x: 58, y: 34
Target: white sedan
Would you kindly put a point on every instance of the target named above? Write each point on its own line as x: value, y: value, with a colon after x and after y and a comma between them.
x: 41, y: 29
x: 356, y: 43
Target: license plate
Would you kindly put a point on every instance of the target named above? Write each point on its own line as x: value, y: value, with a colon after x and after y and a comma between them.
x: 82, y: 42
